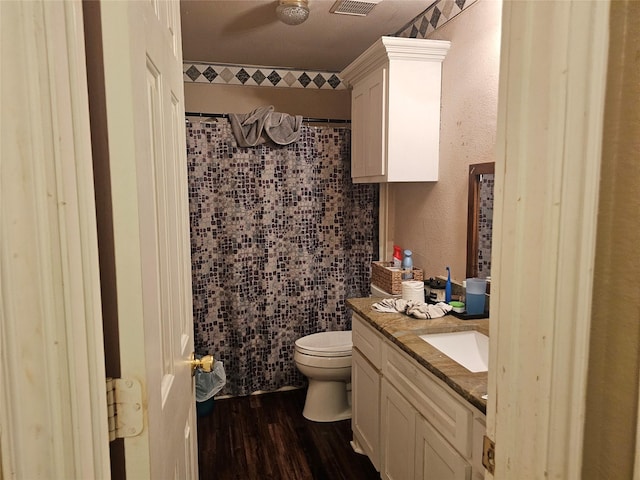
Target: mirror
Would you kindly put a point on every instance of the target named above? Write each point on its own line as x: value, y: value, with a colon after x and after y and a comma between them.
x: 480, y: 219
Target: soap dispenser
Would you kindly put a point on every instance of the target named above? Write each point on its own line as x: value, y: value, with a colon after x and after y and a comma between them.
x: 447, y: 288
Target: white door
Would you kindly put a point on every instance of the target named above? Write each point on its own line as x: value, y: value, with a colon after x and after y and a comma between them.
x: 143, y: 98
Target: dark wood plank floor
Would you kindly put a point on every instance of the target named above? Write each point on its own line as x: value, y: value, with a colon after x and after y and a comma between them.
x: 266, y: 437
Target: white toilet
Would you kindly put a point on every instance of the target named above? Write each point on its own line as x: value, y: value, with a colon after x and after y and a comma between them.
x: 325, y: 359
x: 379, y: 292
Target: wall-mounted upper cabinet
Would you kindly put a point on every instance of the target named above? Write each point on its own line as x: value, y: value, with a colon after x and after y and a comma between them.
x: 395, y: 110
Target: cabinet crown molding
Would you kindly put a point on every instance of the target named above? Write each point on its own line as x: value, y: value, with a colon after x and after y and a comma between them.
x: 387, y: 49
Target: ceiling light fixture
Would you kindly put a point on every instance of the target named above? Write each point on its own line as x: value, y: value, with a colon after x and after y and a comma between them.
x: 293, y: 12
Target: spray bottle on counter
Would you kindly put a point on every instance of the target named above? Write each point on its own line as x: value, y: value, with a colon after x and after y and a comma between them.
x: 397, y: 256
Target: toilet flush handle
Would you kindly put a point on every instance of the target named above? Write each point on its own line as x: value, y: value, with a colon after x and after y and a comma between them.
x: 205, y: 363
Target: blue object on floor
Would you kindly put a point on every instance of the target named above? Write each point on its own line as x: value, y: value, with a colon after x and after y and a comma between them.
x: 205, y: 408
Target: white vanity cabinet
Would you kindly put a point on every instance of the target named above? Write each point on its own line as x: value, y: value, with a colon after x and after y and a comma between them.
x: 366, y: 362
x: 422, y: 429
x: 395, y: 110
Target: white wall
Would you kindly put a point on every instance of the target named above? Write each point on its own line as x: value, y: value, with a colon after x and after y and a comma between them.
x: 431, y: 218
x: 201, y: 97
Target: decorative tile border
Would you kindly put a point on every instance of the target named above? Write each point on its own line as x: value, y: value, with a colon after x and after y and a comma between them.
x: 433, y: 18
x: 260, y: 76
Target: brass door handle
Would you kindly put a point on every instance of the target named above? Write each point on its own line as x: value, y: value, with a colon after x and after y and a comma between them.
x: 205, y: 363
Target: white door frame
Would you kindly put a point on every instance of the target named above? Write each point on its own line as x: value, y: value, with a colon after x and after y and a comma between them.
x: 550, y: 122
x: 53, y: 413
x: 52, y: 373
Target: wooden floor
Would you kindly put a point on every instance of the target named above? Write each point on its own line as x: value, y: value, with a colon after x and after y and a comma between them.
x: 266, y: 437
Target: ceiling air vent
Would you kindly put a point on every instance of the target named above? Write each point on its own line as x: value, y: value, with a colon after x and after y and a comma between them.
x: 354, y: 7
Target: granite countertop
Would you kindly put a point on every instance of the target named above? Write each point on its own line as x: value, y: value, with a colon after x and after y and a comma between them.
x: 403, y: 331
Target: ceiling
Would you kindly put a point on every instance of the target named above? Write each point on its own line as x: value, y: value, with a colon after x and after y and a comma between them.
x: 247, y: 32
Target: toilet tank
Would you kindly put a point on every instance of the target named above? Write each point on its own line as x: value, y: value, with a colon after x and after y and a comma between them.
x: 380, y: 293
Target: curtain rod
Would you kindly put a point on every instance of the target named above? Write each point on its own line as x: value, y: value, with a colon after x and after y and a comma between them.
x: 304, y: 119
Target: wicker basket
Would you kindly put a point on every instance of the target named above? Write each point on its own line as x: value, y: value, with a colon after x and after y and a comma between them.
x: 390, y: 280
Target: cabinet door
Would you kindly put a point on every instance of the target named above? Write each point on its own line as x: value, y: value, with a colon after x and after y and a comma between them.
x: 479, y: 430
x: 365, y: 412
x: 368, y: 134
x: 359, y: 102
x: 435, y: 459
x: 398, y: 435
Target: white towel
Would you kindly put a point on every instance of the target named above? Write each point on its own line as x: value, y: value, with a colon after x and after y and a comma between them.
x: 412, y: 308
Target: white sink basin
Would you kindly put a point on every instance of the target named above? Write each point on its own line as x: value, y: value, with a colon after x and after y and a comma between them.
x: 469, y: 348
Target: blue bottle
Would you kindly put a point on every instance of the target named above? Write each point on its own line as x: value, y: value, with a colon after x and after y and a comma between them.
x: 407, y: 265
x: 447, y: 288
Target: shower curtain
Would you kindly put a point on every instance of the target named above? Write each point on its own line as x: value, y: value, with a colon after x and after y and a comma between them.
x: 280, y: 237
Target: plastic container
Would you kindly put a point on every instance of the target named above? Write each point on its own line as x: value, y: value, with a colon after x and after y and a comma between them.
x: 436, y: 290
x: 205, y: 408
x: 407, y: 265
x: 475, y: 297
x: 458, y: 307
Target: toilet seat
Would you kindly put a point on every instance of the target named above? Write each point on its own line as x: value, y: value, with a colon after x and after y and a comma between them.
x: 324, y: 363
x: 326, y: 344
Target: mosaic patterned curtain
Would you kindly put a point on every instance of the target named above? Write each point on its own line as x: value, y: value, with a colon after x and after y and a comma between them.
x: 280, y: 237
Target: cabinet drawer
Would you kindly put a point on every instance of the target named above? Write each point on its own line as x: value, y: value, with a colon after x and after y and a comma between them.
x: 430, y: 397
x: 367, y: 340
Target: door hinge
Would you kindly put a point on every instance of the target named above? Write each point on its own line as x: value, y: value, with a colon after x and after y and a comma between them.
x: 488, y: 454
x: 124, y: 406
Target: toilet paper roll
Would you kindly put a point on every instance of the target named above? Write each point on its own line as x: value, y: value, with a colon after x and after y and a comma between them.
x: 413, y: 290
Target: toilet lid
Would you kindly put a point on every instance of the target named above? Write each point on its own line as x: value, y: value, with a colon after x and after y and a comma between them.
x: 326, y: 344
